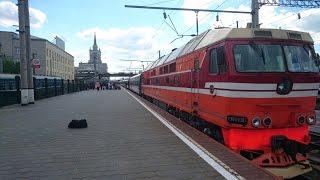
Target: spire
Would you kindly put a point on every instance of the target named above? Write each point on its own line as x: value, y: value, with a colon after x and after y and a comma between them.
x: 95, y: 46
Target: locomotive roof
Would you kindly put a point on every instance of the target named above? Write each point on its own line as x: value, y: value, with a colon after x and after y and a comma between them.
x: 214, y: 35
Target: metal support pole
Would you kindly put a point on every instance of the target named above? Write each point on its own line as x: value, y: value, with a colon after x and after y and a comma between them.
x: 28, y: 54
x: 1, y: 63
x: 23, y: 60
x: 33, y: 69
x: 255, y: 13
x: 197, y: 22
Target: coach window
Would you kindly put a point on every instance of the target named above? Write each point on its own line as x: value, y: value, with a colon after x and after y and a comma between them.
x: 172, y: 67
x: 177, y: 80
x: 161, y: 70
x: 166, y: 69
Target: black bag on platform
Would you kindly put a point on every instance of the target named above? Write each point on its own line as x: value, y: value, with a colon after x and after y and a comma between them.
x: 75, y: 124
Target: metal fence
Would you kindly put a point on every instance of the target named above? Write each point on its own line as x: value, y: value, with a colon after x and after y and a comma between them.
x: 43, y: 88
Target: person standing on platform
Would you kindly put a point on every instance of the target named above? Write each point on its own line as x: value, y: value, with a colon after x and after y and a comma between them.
x: 98, y: 86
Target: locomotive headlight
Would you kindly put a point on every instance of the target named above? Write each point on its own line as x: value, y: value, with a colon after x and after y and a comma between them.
x: 267, y: 122
x: 284, y: 86
x: 300, y: 120
x: 256, y: 122
x: 311, y: 120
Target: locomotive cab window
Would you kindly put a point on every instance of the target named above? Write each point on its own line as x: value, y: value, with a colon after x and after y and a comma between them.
x: 300, y: 59
x: 258, y: 58
x: 217, y: 63
x: 197, y: 65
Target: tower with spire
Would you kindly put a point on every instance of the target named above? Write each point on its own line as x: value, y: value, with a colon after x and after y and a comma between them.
x: 94, y: 64
x: 95, y: 53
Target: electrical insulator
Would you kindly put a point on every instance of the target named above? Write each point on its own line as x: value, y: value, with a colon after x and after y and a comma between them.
x: 217, y: 17
x: 299, y: 16
x: 164, y: 15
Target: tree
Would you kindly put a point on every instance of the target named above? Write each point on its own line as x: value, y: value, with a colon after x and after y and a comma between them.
x: 10, y: 66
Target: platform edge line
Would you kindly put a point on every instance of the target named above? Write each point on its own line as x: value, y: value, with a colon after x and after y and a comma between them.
x: 198, y: 149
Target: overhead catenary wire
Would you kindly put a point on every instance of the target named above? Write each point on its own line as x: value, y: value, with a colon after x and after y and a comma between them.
x: 159, y: 29
x: 209, y: 14
x: 291, y: 15
x: 183, y: 34
x: 173, y: 25
x: 160, y: 2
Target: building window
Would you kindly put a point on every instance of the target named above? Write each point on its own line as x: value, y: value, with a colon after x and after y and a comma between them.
x: 17, y: 50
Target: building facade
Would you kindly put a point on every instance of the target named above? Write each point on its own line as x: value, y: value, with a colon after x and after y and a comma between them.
x: 94, y: 64
x: 54, y: 61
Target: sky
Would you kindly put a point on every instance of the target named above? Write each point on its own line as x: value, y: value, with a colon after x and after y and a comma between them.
x: 129, y: 34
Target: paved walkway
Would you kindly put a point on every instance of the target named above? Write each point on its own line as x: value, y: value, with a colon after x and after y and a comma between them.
x: 123, y: 141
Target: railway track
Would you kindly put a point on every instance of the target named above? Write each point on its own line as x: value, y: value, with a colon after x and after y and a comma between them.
x: 314, y: 155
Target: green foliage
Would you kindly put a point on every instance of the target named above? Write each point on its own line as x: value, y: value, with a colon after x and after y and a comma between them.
x: 10, y: 66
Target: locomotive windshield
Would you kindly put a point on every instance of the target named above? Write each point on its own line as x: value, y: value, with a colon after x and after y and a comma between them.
x: 259, y: 58
x: 269, y: 58
x: 300, y: 59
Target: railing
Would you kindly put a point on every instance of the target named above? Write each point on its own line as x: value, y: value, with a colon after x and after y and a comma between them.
x: 43, y: 88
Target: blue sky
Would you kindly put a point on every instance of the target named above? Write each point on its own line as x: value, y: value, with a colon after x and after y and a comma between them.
x: 125, y: 33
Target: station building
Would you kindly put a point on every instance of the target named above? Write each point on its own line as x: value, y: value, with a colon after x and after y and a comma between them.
x: 54, y: 60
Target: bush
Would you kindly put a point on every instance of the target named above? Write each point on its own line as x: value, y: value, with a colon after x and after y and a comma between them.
x: 10, y: 66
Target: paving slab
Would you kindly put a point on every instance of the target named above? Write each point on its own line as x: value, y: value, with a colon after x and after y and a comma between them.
x: 123, y: 141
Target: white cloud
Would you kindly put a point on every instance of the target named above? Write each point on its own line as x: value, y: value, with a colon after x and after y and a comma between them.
x: 132, y: 38
x: 131, y: 43
x: 227, y: 19
x: 309, y: 22
x: 79, y: 56
x: 9, y: 15
x: 37, y: 18
x: 275, y: 17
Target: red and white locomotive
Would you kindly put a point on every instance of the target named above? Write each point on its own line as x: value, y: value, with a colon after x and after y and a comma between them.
x: 254, y: 90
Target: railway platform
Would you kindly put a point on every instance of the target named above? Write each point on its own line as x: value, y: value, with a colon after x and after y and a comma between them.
x: 126, y: 138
